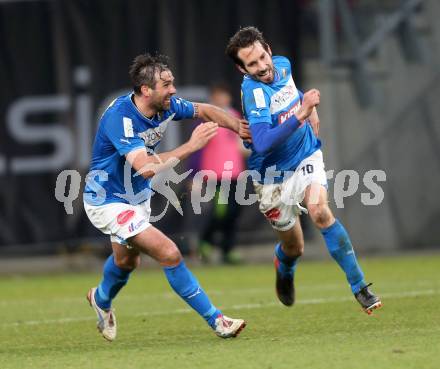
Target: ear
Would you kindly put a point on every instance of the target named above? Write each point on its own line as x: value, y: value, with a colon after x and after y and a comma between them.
x: 241, y: 69
x: 146, y: 91
x: 269, y: 50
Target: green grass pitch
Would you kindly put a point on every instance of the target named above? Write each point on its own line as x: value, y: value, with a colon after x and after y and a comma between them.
x: 47, y: 323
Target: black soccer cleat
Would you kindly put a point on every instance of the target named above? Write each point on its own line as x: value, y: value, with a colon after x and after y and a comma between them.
x: 284, y: 286
x: 368, y: 300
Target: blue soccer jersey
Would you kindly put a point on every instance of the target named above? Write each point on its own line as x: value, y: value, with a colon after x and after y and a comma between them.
x: 123, y: 128
x: 274, y: 103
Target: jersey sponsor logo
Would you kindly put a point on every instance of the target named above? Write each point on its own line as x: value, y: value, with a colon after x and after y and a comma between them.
x: 125, y: 216
x: 282, y: 98
x: 153, y: 135
x: 289, y: 113
x: 260, y: 101
x: 128, y: 127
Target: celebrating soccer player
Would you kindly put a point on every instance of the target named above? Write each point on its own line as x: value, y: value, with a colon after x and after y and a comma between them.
x: 117, y: 193
x: 284, y: 126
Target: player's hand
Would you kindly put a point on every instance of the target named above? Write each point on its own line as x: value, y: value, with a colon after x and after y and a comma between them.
x: 244, y: 131
x: 310, y: 99
x: 202, y: 134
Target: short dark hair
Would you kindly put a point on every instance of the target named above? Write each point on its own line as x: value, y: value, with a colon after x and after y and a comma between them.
x: 244, y: 37
x: 143, y: 70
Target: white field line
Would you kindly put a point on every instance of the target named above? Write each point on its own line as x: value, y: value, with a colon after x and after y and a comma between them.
x: 390, y: 295
x: 8, y: 302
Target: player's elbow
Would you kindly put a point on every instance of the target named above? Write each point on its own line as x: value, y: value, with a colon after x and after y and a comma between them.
x: 147, y: 170
x: 262, y: 139
x: 261, y: 147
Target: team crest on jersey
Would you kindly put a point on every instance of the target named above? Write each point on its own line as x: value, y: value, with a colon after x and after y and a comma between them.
x: 153, y: 135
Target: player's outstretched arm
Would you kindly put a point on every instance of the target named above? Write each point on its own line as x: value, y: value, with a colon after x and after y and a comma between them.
x: 213, y: 113
x: 148, y: 165
x: 224, y: 119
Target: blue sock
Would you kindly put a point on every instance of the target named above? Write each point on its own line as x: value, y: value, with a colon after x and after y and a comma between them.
x: 287, y: 264
x: 339, y: 245
x: 114, y: 279
x: 187, y: 287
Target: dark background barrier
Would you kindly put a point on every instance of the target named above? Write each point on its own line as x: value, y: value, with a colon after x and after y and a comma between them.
x: 62, y: 62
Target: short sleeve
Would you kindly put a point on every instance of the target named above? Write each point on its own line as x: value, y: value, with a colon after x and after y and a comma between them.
x: 119, y: 130
x: 183, y: 109
x: 256, y: 105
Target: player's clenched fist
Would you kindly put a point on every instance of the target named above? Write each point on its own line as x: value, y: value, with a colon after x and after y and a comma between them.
x: 202, y: 134
x: 310, y: 99
x: 244, y: 131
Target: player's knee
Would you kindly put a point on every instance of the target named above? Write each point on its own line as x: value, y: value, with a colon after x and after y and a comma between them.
x: 321, y: 215
x: 172, y: 256
x: 128, y: 262
x: 294, y: 248
x: 299, y: 249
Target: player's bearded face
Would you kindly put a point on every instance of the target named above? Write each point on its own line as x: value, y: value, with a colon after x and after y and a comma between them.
x: 257, y: 62
x: 161, y: 97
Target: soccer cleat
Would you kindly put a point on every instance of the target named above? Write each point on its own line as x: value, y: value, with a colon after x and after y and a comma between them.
x: 227, y: 327
x: 106, y: 319
x: 284, y: 285
x: 368, y: 300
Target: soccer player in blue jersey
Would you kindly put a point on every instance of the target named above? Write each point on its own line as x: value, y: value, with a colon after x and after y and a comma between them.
x: 286, y: 153
x: 117, y: 192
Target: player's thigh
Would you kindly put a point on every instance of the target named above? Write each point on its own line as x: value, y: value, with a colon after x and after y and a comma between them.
x: 292, y: 239
x: 154, y: 243
x: 125, y: 258
x: 316, y: 201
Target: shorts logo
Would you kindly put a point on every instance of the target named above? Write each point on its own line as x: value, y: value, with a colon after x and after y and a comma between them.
x: 132, y: 227
x: 125, y: 216
x: 273, y: 214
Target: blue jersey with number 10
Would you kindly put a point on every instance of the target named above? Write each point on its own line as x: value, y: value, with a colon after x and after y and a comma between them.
x: 274, y: 103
